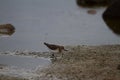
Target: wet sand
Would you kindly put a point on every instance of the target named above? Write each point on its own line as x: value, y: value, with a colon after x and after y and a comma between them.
x: 79, y: 63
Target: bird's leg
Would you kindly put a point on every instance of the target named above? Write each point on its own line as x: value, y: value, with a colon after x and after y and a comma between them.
x: 62, y: 54
x: 54, y: 58
x: 52, y: 55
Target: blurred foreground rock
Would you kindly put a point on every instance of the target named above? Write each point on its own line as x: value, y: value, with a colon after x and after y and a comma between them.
x: 7, y: 29
x: 112, y: 17
x: 113, y: 11
x: 93, y: 3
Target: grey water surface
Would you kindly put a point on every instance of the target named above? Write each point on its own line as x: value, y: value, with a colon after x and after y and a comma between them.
x: 53, y: 21
x: 28, y: 63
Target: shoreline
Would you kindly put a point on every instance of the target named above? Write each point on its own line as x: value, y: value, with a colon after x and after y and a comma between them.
x: 80, y: 62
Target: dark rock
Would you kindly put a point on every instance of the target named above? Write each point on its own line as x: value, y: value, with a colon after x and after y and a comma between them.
x: 93, y: 3
x: 114, y: 25
x: 113, y: 11
x: 112, y: 17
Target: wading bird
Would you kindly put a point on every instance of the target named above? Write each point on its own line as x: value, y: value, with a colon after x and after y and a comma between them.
x: 54, y: 47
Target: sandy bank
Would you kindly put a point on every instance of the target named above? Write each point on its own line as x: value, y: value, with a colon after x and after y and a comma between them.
x: 86, y: 63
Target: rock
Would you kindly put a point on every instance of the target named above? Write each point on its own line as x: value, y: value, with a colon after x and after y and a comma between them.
x: 111, y: 17
x: 92, y: 3
x: 113, y: 11
x: 7, y: 29
x: 91, y: 12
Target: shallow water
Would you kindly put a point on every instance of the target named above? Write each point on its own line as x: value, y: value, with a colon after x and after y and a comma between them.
x: 26, y: 63
x: 53, y: 21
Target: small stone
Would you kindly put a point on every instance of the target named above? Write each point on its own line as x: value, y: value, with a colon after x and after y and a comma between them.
x: 91, y: 12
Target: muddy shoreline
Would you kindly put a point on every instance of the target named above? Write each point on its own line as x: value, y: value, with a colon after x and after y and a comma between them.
x: 81, y: 62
